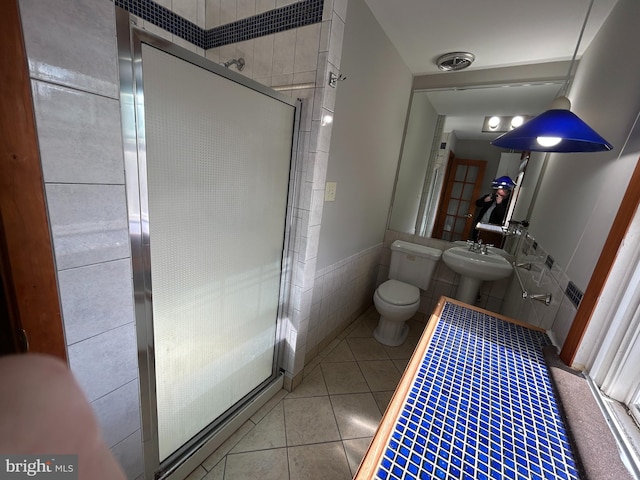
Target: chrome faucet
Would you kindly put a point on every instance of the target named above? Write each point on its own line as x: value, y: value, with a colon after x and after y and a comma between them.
x: 479, y: 247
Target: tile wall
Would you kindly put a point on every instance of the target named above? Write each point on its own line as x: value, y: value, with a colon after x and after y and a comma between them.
x: 544, y: 277
x: 71, y: 49
x: 341, y: 293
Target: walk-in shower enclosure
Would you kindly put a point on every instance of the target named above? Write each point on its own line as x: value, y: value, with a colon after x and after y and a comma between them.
x: 209, y: 177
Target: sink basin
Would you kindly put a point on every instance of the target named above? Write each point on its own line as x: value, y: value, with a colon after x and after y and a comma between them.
x: 491, y: 266
x: 475, y: 268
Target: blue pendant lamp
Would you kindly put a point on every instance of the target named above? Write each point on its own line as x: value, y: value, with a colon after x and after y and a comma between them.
x: 557, y: 129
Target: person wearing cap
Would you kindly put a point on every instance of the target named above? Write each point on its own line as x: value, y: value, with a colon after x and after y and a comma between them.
x: 493, y: 207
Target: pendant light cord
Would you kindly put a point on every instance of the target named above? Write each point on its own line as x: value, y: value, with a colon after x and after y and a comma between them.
x: 565, y: 87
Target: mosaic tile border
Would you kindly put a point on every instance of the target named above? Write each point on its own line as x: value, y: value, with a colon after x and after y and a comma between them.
x: 574, y: 294
x: 280, y: 19
x: 480, y: 407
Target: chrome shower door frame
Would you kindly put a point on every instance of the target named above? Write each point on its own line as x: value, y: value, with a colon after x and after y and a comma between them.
x: 130, y: 40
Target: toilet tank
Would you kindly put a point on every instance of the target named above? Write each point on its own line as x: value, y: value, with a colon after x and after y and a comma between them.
x: 413, y: 264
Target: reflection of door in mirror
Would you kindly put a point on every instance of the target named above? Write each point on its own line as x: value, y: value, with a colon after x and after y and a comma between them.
x: 461, y: 188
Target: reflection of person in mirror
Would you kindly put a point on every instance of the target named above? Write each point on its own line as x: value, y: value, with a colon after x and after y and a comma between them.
x: 493, y: 207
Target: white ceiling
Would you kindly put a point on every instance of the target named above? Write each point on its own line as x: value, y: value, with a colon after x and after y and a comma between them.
x: 500, y: 33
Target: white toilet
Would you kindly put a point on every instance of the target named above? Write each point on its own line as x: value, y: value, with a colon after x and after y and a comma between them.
x: 398, y: 299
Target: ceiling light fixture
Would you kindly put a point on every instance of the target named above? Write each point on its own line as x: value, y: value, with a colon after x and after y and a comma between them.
x: 498, y: 124
x: 557, y: 129
x: 494, y: 122
x: 517, y: 121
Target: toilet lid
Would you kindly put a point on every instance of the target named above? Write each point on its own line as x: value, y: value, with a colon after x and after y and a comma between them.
x: 398, y: 293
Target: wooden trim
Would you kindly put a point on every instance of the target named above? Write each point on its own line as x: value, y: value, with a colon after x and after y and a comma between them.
x: 29, y: 274
x: 619, y: 229
x: 445, y: 194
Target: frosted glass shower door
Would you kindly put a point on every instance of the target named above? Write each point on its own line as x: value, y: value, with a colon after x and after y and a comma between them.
x: 217, y: 165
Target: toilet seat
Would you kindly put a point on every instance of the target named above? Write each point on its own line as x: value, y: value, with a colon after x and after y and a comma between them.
x: 398, y: 293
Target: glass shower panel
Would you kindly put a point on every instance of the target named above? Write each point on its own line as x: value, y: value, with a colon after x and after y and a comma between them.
x: 218, y: 159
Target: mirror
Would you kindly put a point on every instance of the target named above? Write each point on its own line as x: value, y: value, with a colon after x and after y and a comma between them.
x: 446, y: 124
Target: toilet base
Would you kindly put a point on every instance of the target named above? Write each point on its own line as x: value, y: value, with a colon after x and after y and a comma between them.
x: 391, y: 333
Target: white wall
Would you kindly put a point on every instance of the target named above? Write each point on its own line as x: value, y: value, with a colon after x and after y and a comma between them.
x: 580, y: 193
x: 371, y: 107
x: 416, y: 152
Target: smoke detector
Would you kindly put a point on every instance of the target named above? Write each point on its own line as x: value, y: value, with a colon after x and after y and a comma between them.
x: 451, y: 62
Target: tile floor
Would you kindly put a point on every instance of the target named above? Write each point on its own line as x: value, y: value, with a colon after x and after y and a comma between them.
x: 322, y: 429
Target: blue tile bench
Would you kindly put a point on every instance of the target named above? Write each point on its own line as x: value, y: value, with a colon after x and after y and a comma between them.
x: 475, y: 402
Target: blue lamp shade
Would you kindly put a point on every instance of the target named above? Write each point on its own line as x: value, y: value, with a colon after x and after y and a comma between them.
x: 562, y: 130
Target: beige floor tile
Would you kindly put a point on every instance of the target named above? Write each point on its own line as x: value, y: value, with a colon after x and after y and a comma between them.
x: 403, y: 351
x: 416, y: 327
x: 218, y: 471
x: 198, y: 474
x: 401, y: 364
x: 344, y: 377
x: 382, y: 399
x: 380, y: 375
x: 262, y: 465
x: 357, y: 415
x: 367, y: 349
x: 309, y: 367
x: 269, y: 433
x: 266, y: 408
x: 325, y: 461
x: 213, y: 459
x: 355, y: 450
x: 364, y: 327
x: 313, y: 385
x: 329, y: 348
x: 309, y: 420
x: 342, y: 353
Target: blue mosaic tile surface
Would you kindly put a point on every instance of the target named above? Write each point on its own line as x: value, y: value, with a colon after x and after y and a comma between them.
x: 481, y: 406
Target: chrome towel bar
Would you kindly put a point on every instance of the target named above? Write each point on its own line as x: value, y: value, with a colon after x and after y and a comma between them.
x: 541, y: 297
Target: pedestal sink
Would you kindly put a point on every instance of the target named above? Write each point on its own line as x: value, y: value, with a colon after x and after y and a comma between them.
x: 475, y: 268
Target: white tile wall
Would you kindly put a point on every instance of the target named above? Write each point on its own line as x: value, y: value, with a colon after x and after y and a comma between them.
x: 95, y: 298
x: 557, y: 317
x: 119, y: 413
x: 65, y: 118
x: 341, y: 292
x: 72, y: 43
x: 105, y: 362
x: 192, y: 10
x: 71, y: 48
x: 88, y: 223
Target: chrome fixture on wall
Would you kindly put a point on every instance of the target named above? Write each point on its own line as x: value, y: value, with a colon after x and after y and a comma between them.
x: 238, y: 62
x: 335, y: 78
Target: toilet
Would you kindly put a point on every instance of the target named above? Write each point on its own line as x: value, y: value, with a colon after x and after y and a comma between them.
x: 398, y: 299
